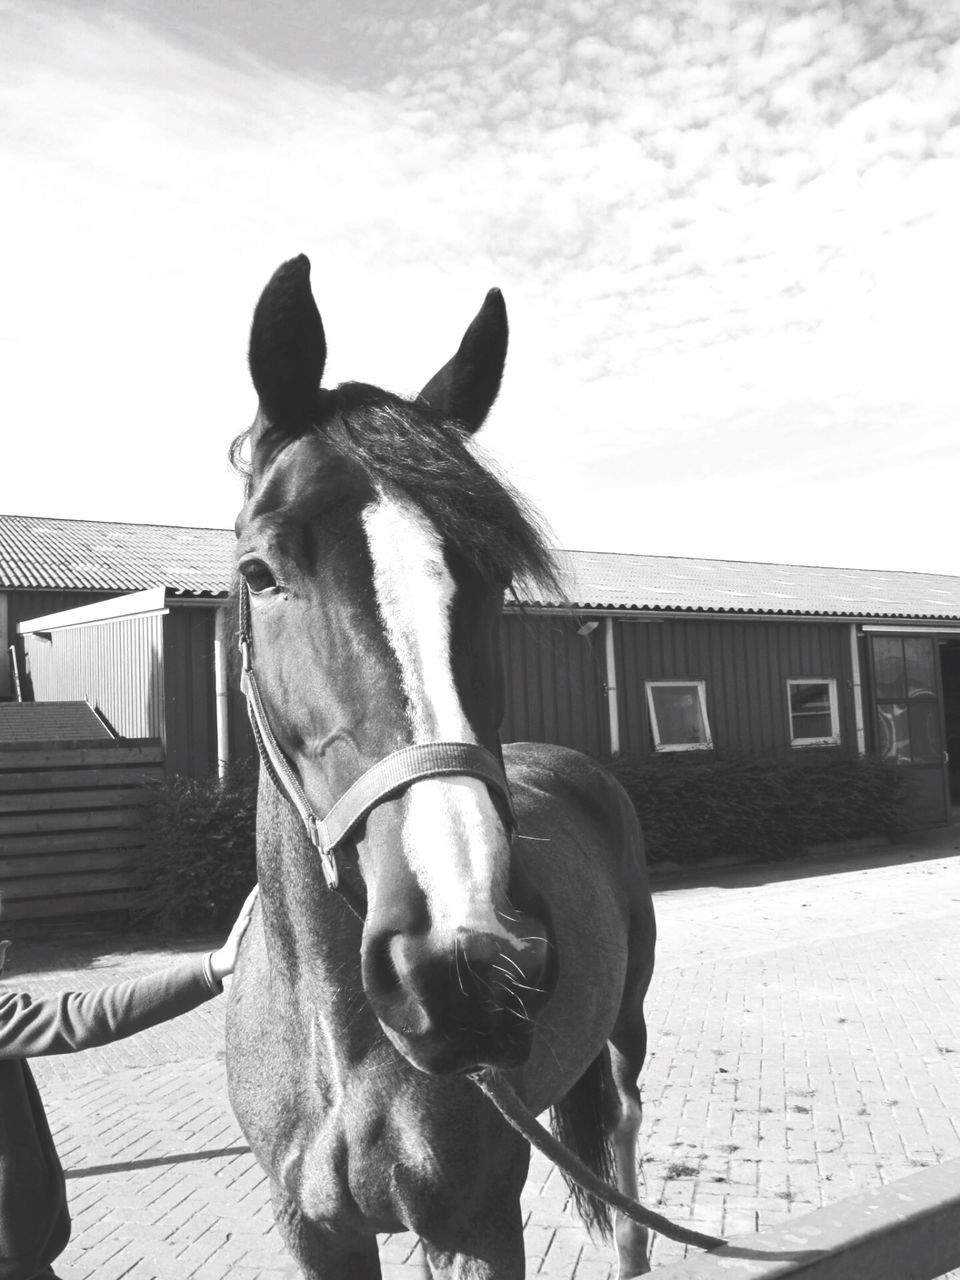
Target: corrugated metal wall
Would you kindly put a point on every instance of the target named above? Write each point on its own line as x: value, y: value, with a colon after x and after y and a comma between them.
x: 5, y: 689
x: 745, y: 664
x: 22, y: 605
x: 556, y: 679
x: 554, y: 683
x: 149, y: 676
x: 152, y: 684
x: 117, y: 666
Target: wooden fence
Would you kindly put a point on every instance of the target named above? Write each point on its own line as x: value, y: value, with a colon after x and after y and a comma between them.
x: 71, y: 831
x: 907, y: 1230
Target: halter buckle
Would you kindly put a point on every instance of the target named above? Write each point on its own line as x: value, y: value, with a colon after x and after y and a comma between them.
x: 328, y: 855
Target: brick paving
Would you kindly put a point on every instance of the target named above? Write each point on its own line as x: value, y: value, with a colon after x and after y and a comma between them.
x: 805, y: 1044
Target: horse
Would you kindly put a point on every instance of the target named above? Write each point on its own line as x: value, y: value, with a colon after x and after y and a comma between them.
x: 433, y: 904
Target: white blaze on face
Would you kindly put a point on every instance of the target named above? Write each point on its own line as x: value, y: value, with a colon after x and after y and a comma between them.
x: 453, y: 838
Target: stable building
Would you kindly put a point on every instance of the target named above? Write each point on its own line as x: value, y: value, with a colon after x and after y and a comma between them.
x: 49, y: 565
x: 658, y: 655
x: 124, y: 617
x: 645, y: 656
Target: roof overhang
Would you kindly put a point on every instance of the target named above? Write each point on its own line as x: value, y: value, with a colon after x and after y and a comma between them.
x: 136, y: 605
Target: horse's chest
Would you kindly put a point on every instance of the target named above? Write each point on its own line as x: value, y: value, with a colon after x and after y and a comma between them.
x: 355, y: 1140
x: 348, y: 1162
x: 337, y: 1167
x: 322, y: 1132
x: 370, y: 1158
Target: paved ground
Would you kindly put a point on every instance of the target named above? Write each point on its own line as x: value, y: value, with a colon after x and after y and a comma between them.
x: 805, y: 1035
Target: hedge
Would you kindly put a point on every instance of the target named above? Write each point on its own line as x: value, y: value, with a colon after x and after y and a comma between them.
x: 201, y: 852
x: 758, y: 809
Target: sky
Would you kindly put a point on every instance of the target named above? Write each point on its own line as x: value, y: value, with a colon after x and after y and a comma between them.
x: 728, y: 236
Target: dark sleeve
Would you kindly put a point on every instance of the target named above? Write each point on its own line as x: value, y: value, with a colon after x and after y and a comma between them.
x: 75, y: 1020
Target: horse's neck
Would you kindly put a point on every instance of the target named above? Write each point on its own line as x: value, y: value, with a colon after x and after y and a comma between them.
x: 312, y: 937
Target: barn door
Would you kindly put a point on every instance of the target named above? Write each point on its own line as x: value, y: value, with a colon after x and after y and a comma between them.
x: 908, y: 706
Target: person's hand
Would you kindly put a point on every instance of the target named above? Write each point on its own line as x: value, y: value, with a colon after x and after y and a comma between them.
x: 224, y: 960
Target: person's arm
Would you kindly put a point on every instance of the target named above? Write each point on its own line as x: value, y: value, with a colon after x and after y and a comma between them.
x: 74, y: 1020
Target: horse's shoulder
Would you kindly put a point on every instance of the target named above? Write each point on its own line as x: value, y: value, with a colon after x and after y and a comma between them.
x: 544, y: 764
x: 543, y: 774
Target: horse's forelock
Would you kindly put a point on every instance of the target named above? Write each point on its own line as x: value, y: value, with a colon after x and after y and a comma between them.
x: 406, y: 447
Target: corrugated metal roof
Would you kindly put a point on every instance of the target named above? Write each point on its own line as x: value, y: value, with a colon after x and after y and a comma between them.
x: 613, y: 580
x: 45, y: 553
x: 50, y: 722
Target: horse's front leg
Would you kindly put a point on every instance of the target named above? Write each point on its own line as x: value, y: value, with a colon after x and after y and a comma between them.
x: 489, y: 1248
x: 320, y: 1253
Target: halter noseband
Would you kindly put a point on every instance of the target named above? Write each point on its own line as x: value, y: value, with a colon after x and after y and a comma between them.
x: 388, y: 776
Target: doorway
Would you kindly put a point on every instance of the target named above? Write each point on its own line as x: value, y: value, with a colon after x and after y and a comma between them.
x: 906, y: 680
x: 950, y: 679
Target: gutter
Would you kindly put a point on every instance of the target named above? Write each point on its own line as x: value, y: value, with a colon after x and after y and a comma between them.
x: 869, y: 622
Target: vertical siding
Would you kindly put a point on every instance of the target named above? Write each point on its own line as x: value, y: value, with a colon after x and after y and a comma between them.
x: 190, y: 691
x: 23, y: 605
x: 117, y: 666
x: 148, y: 676
x: 745, y: 665
x: 6, y: 689
x: 554, y: 683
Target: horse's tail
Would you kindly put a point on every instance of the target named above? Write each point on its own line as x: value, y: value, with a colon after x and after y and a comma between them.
x: 581, y: 1120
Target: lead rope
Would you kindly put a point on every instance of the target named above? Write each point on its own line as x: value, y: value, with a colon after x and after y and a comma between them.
x: 529, y: 1127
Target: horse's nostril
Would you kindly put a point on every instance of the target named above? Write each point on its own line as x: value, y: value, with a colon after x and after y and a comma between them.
x: 380, y: 974
x: 451, y: 1001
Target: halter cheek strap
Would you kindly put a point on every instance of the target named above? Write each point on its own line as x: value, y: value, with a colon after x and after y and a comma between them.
x: 392, y: 774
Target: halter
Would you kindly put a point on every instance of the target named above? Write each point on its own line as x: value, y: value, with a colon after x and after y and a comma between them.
x: 392, y: 774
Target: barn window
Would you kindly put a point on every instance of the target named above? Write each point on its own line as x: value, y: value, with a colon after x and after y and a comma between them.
x: 678, y: 715
x: 814, y: 721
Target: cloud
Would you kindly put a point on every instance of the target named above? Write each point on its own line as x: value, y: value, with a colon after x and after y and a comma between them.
x: 730, y: 233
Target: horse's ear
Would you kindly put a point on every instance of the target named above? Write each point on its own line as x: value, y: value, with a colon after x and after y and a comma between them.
x: 467, y: 385
x: 287, y: 348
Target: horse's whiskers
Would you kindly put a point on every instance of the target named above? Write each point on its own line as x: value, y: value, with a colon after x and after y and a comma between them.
x: 482, y: 986
x: 514, y: 984
x: 456, y: 962
x: 510, y: 992
x: 514, y: 1003
x: 526, y: 986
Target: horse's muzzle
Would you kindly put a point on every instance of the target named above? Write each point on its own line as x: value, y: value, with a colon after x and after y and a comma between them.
x: 461, y: 1004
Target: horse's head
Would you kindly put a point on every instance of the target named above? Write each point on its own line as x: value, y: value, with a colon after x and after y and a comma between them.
x: 375, y: 549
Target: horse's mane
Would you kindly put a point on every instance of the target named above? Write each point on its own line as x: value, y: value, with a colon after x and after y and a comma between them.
x: 405, y: 446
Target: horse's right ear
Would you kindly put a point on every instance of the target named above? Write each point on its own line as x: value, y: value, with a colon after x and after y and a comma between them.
x: 287, y: 350
x: 467, y: 385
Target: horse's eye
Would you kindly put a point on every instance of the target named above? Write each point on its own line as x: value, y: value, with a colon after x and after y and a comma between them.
x: 257, y: 577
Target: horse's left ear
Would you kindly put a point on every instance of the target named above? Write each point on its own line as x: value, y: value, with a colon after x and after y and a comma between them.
x: 467, y: 385
x: 287, y: 349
